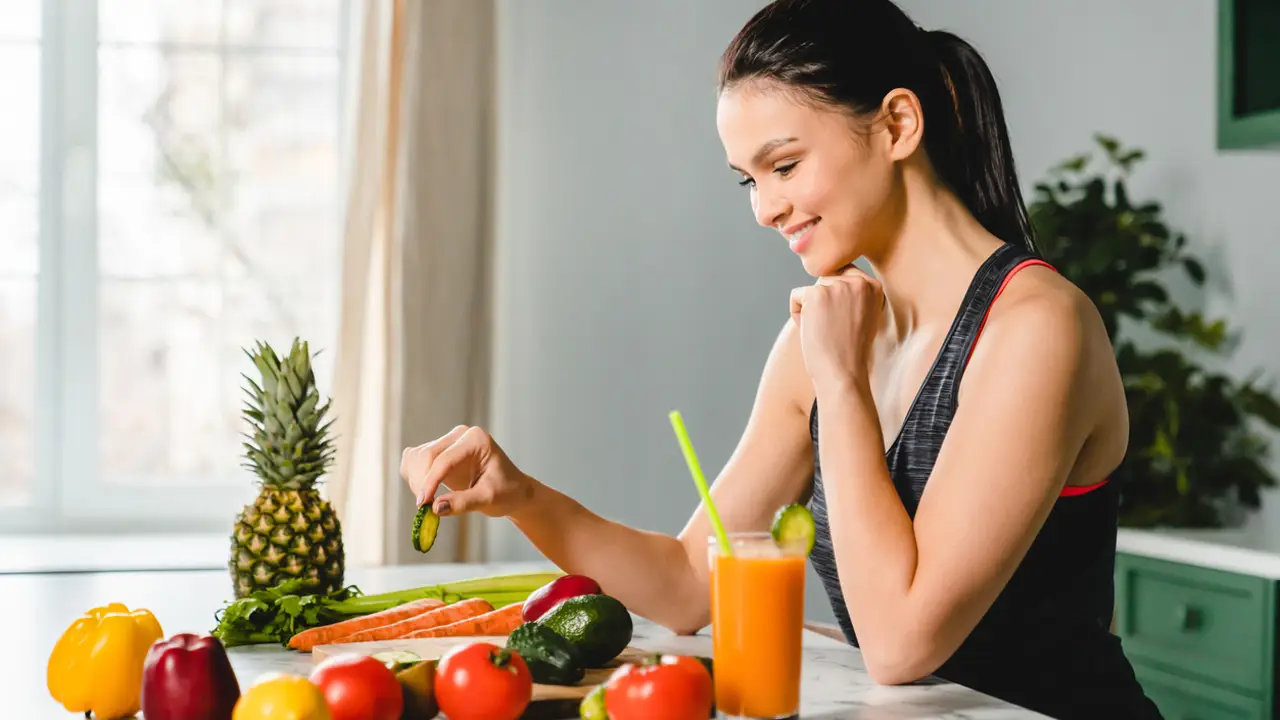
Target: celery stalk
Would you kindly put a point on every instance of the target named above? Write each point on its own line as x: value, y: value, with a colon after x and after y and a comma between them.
x: 500, y: 587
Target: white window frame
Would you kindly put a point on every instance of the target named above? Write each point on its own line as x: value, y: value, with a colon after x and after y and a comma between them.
x: 68, y: 495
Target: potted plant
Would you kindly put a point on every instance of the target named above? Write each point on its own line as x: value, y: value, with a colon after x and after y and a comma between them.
x: 1197, y: 447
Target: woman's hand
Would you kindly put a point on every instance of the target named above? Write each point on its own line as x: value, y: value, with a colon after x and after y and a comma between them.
x: 470, y: 463
x: 838, y: 317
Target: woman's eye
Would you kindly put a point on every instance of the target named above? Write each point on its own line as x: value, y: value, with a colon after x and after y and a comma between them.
x: 785, y: 170
x: 746, y: 182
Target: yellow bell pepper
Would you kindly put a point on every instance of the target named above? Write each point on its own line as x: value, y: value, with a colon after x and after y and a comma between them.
x: 96, y: 666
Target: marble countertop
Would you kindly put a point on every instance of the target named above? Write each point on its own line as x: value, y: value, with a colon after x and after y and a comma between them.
x: 34, y: 610
x: 1251, y: 551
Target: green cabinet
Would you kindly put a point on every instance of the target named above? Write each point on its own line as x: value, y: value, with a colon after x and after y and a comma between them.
x: 1202, y: 640
x: 1248, y: 74
x: 1182, y: 699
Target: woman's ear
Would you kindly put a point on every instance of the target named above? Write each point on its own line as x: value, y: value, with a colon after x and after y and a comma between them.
x: 904, y: 121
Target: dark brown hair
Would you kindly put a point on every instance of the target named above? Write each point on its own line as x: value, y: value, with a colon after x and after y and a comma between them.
x: 850, y: 53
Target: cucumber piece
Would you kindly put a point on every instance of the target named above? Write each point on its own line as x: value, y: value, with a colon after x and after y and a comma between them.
x: 397, y: 660
x: 794, y: 524
x: 425, y: 525
x: 552, y: 660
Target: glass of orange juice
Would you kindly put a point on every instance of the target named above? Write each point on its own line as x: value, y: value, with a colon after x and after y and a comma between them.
x: 757, y: 617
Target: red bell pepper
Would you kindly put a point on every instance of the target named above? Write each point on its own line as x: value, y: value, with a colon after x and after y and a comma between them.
x: 188, y: 677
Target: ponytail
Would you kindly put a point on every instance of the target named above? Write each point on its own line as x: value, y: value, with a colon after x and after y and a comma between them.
x: 976, y: 160
x: 835, y: 51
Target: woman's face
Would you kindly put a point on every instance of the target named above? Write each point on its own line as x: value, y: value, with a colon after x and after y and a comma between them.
x: 827, y: 184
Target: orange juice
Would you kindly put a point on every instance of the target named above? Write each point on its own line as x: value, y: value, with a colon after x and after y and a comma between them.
x: 757, y: 616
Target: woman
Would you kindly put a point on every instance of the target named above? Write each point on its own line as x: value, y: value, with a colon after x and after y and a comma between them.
x: 965, y: 527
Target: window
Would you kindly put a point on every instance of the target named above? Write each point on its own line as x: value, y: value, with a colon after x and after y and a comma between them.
x: 170, y: 193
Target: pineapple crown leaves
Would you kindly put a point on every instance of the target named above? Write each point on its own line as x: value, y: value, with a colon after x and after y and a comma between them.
x: 289, y: 445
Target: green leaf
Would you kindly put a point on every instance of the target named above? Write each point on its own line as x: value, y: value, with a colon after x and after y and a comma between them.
x: 1194, y: 269
x: 1151, y: 291
x: 1121, y: 195
x: 1075, y: 164
x: 295, y: 386
x: 1260, y: 405
x: 1128, y: 159
x: 1108, y: 143
x: 1161, y: 448
x: 290, y: 605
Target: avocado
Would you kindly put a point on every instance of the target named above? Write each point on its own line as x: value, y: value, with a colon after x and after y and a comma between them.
x: 552, y: 660
x: 425, y: 524
x: 599, y: 626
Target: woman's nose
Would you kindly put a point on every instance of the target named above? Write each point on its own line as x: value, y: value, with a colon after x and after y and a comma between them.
x: 768, y: 208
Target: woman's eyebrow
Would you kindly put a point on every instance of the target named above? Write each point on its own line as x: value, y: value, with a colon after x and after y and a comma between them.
x: 764, y: 151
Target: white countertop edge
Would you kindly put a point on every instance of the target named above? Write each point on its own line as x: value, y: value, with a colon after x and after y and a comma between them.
x: 1229, y: 552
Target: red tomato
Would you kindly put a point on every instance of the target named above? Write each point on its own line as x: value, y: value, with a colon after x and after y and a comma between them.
x: 481, y: 681
x: 673, y: 687
x: 358, y: 687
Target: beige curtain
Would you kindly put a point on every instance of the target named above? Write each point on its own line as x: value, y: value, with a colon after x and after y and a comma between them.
x: 413, y: 357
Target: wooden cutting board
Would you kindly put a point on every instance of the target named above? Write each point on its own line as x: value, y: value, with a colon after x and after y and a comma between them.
x: 549, y: 701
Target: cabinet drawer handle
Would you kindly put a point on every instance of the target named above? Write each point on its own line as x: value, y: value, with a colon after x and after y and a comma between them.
x: 1188, y: 618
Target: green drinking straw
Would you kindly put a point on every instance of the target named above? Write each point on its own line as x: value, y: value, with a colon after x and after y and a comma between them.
x: 677, y: 423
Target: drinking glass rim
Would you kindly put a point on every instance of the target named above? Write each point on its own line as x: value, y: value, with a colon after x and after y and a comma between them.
x: 743, y: 535
x: 745, y: 540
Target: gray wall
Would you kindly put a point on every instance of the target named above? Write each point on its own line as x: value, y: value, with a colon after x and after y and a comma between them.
x: 633, y: 279
x: 1146, y: 72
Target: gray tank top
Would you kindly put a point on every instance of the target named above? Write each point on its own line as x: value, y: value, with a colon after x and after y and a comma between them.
x: 1045, y: 643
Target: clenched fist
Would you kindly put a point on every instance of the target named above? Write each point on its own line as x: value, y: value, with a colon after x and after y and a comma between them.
x: 838, y: 317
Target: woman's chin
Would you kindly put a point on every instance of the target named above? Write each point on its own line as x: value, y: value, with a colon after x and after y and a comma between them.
x: 818, y: 266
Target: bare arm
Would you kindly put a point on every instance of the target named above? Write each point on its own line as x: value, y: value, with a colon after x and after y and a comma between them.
x: 655, y: 575
x: 922, y: 587
x: 666, y: 579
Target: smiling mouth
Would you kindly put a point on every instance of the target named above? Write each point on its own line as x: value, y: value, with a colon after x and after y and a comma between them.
x: 797, y: 234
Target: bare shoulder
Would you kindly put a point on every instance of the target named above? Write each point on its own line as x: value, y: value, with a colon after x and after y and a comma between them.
x: 1045, y: 326
x: 1041, y: 306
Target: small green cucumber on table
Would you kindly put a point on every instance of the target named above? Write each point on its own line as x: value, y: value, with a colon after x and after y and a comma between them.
x: 425, y: 525
x: 552, y: 659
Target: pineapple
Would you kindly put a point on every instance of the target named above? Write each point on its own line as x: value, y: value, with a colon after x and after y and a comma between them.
x: 289, y: 531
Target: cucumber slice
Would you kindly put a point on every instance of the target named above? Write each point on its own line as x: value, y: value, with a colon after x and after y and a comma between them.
x: 794, y: 524
x: 397, y: 660
x: 425, y: 524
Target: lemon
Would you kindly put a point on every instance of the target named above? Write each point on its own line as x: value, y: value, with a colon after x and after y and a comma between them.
x: 280, y: 696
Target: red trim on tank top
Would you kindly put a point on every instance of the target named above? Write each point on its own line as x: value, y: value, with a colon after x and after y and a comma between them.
x: 1073, y: 490
x: 1069, y: 490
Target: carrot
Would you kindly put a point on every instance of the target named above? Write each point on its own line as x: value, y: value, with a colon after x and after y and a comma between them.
x: 424, y: 621
x: 495, y: 622
x: 308, y: 639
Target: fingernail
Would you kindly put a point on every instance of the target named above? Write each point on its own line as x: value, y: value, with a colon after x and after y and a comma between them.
x: 442, y: 507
